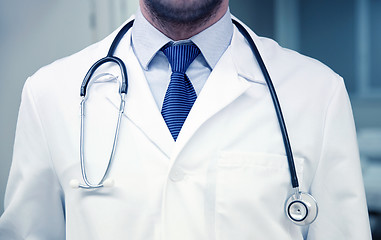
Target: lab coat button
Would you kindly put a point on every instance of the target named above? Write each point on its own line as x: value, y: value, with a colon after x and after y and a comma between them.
x: 176, y: 175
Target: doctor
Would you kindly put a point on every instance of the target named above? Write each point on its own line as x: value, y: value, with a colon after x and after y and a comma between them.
x: 220, y: 174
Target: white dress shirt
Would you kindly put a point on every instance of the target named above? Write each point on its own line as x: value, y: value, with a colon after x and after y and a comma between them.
x: 147, y: 42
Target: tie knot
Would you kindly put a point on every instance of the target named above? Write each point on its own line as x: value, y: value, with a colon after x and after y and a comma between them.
x: 181, y: 56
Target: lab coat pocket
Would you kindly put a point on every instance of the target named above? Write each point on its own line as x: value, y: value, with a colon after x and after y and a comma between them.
x: 251, y: 191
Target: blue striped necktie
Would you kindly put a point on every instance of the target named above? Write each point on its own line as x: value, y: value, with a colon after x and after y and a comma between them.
x: 180, y: 94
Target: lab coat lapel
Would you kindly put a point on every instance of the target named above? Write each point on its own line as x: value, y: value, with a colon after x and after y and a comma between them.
x: 140, y: 107
x: 143, y: 111
x: 235, y: 72
x: 222, y: 87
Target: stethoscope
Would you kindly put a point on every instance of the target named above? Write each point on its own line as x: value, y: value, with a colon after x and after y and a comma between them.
x: 301, y: 208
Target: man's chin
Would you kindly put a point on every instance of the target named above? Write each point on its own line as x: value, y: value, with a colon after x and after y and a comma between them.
x: 183, y: 11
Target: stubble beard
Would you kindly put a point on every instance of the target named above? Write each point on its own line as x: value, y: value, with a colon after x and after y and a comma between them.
x: 185, y: 13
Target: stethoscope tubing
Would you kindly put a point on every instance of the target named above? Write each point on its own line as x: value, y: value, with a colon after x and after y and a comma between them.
x: 278, y: 110
x: 123, y: 91
x: 119, y: 37
x: 88, y: 184
x: 269, y: 83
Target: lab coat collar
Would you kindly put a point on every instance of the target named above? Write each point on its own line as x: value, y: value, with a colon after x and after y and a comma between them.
x: 244, y: 60
x: 222, y: 87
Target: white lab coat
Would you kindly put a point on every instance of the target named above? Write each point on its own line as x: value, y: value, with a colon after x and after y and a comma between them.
x: 226, y: 177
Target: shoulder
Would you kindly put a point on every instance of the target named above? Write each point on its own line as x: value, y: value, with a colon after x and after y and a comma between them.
x: 66, y: 71
x: 294, y: 75
x: 283, y: 64
x: 66, y: 74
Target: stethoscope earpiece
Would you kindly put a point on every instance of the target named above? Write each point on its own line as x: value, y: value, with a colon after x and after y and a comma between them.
x: 74, y: 183
x: 301, y: 208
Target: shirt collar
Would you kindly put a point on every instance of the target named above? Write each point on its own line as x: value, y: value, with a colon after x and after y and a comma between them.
x: 212, y: 42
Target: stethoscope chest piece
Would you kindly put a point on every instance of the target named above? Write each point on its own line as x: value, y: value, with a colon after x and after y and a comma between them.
x: 301, y: 208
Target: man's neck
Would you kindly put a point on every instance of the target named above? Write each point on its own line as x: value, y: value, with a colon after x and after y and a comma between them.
x: 177, y: 31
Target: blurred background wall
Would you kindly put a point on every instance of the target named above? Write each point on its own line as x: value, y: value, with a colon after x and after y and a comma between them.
x: 344, y: 34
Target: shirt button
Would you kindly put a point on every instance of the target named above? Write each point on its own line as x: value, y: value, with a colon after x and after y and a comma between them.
x: 176, y: 175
